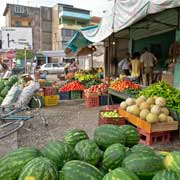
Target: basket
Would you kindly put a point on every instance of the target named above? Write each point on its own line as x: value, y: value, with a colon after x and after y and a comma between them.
x: 119, y: 121
x: 49, y: 91
x: 76, y: 94
x: 103, y: 100
x: 64, y: 95
x: 50, y: 100
x: 92, y: 101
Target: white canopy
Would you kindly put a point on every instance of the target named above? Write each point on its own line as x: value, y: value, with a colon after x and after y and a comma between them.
x: 124, y: 14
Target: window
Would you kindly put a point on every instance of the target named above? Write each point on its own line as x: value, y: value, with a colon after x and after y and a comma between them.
x: 48, y: 66
x: 18, y: 24
x: 55, y: 65
x: 21, y: 9
x: 68, y: 32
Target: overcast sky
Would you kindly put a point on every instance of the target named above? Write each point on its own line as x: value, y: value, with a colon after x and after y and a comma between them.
x: 96, y: 6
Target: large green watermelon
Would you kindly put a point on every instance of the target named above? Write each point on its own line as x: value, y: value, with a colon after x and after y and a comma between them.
x: 165, y: 175
x: 5, y: 91
x: 131, y: 135
x: 143, y: 163
x: 88, y: 151
x: 107, y: 135
x: 172, y: 162
x: 113, y: 156
x: 12, y: 80
x: 79, y: 170
x: 2, y: 85
x: 12, y: 164
x: 59, y: 152
x: 73, y: 136
x: 39, y: 168
x: 120, y: 174
x: 141, y: 148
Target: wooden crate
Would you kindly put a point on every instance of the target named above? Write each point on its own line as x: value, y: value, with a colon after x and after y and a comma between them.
x: 147, y: 127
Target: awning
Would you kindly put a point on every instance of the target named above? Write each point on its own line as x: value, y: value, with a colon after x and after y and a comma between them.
x: 123, y: 14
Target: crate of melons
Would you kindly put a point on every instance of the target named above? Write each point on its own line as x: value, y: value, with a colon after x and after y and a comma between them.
x: 149, y: 114
x: 110, y: 117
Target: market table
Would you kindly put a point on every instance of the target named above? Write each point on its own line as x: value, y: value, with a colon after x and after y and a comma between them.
x: 117, y: 94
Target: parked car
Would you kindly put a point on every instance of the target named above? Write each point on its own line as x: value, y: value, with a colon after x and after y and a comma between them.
x: 52, y: 68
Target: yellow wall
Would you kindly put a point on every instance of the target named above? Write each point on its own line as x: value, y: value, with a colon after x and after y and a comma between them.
x: 24, y: 21
x: 65, y: 26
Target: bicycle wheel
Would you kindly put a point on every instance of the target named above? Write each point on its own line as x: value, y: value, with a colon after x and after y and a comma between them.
x: 9, y: 128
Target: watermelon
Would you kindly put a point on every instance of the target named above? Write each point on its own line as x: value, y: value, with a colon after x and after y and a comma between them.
x: 143, y: 163
x: 131, y: 135
x: 59, y: 152
x: 39, y: 168
x: 172, y: 162
x: 2, y: 85
x: 1, y: 100
x: 73, y: 136
x: 165, y: 175
x: 88, y: 151
x: 12, y: 164
x: 5, y: 91
x: 107, y: 135
x: 113, y: 156
x: 120, y: 174
x: 79, y: 170
x: 12, y: 80
x: 141, y: 148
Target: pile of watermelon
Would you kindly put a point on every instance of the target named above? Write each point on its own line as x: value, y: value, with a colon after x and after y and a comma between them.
x: 5, y: 86
x: 113, y: 154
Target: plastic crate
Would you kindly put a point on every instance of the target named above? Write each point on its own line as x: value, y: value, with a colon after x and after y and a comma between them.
x: 50, y: 100
x: 112, y: 107
x: 49, y: 91
x: 119, y: 121
x: 103, y: 100
x: 92, y: 101
x: 64, y: 95
x: 76, y: 94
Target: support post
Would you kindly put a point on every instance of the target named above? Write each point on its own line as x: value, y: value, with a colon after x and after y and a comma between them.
x: 46, y: 59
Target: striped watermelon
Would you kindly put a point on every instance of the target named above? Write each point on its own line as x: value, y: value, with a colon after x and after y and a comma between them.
x: 172, y: 162
x: 120, y: 174
x: 59, y: 152
x: 113, y: 156
x: 79, y: 170
x: 73, y: 136
x: 131, y: 134
x: 12, y: 164
x: 141, y: 148
x: 39, y: 168
x: 165, y: 175
x: 88, y: 151
x: 107, y: 135
x: 143, y: 163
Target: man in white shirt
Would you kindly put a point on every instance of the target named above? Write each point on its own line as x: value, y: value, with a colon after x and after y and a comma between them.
x: 148, y: 61
x: 34, y: 65
x: 124, y: 64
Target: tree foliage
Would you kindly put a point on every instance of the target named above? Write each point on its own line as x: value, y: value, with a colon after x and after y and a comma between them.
x: 20, y: 54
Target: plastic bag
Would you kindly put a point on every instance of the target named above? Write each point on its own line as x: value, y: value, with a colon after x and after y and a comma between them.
x: 27, y: 94
x: 12, y: 95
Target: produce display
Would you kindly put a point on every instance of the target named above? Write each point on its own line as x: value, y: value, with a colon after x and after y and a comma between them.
x: 123, y: 85
x: 84, y: 77
x: 161, y: 89
x: 110, y: 114
x: 131, y: 92
x: 152, y: 109
x: 69, y: 76
x: 99, y: 89
x: 90, y: 83
x: 72, y: 86
x: 113, y: 155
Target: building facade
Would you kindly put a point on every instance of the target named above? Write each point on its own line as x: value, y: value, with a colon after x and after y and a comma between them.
x: 39, y: 19
x: 66, y: 21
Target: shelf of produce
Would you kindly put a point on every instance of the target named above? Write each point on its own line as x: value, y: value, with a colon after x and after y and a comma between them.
x: 150, y: 128
x: 117, y: 94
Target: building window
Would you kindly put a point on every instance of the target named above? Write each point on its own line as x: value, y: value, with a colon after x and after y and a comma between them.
x: 21, y: 9
x: 18, y: 24
x: 68, y: 32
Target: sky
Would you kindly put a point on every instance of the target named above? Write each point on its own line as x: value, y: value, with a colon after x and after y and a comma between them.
x: 96, y: 6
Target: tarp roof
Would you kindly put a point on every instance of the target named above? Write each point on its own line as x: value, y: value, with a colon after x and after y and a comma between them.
x: 123, y: 14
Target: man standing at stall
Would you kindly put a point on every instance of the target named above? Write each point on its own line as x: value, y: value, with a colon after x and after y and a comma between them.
x: 124, y: 64
x: 148, y: 61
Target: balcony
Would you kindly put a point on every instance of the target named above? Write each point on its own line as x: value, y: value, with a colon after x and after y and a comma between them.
x: 68, y: 26
x: 74, y: 15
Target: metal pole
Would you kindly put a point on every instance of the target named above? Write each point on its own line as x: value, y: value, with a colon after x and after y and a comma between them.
x: 91, y: 58
x: 25, y: 60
